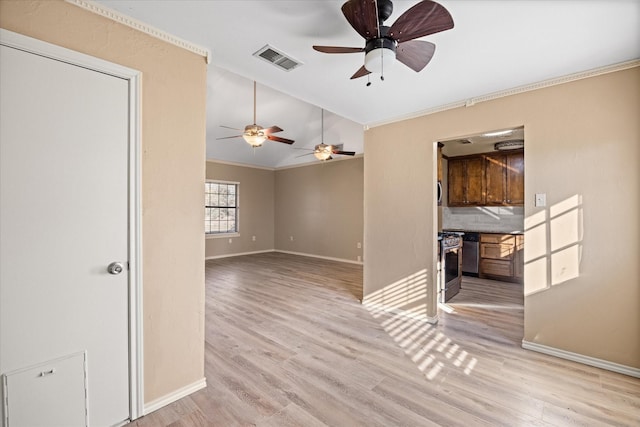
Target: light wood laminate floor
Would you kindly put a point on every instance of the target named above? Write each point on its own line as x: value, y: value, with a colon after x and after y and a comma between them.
x: 289, y: 344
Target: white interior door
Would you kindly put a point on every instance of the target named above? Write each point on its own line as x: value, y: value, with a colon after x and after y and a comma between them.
x: 64, y: 138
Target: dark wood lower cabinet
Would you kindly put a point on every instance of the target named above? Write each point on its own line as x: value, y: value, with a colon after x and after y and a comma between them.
x: 501, y: 257
x: 518, y: 261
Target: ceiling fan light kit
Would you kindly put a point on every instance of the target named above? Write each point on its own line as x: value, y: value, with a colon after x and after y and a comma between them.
x: 322, y: 152
x: 254, y: 135
x: 383, y: 44
x: 380, y: 56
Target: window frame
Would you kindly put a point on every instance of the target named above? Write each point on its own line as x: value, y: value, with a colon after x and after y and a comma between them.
x: 219, y: 235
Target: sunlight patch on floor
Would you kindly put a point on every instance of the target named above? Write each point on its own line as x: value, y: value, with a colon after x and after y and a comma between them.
x: 426, y: 346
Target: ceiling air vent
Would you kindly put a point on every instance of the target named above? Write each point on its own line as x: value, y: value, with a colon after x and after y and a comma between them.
x: 277, y: 58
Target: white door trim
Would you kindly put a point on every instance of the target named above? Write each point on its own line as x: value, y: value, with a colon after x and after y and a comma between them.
x: 38, y: 47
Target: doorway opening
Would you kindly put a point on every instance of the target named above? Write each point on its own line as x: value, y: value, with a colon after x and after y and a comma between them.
x: 481, y: 204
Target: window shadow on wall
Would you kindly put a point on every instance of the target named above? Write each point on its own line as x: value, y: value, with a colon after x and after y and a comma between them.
x: 553, y: 239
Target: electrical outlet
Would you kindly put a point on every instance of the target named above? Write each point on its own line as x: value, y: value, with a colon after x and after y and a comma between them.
x: 230, y: 240
x: 291, y: 238
x: 253, y: 238
x: 541, y: 199
x: 359, y: 245
x: 359, y: 258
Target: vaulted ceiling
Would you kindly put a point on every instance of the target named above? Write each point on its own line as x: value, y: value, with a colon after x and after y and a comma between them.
x: 494, y: 46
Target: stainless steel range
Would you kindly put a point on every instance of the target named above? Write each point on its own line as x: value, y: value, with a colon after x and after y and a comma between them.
x: 450, y: 274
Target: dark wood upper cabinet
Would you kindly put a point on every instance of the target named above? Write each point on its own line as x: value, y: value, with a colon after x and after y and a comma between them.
x: 495, y: 179
x: 515, y: 178
x: 474, y: 181
x: 456, y: 182
x: 465, y: 180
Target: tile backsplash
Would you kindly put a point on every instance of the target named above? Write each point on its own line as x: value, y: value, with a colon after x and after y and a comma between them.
x: 484, y: 218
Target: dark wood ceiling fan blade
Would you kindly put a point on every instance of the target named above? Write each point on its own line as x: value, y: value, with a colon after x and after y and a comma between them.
x: 279, y: 139
x: 344, y: 153
x: 361, y: 72
x: 272, y: 129
x: 415, y: 54
x: 426, y: 17
x: 229, y: 127
x: 229, y: 137
x: 338, y: 49
x: 363, y: 17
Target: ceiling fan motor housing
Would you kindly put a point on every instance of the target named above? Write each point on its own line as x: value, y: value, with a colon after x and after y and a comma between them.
x: 253, y: 130
x: 385, y: 9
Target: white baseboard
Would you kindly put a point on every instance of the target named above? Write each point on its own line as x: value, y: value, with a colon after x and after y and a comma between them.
x: 580, y: 358
x: 163, y: 401
x: 320, y: 256
x: 284, y: 252
x: 239, y: 254
x: 399, y: 312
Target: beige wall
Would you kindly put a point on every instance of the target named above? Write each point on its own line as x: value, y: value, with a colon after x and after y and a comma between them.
x: 256, y: 209
x: 173, y: 138
x: 582, y: 291
x: 321, y: 206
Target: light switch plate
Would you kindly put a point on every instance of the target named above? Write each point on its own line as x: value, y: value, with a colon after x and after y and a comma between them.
x: 541, y: 199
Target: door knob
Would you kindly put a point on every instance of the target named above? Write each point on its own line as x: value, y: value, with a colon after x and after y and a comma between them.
x: 115, y: 268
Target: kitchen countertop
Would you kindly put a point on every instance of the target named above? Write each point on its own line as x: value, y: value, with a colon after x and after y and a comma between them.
x: 455, y: 230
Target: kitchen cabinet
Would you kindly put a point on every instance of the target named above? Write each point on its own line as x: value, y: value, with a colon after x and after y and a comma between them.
x: 439, y: 160
x: 501, y: 257
x: 440, y: 174
x: 515, y: 178
x: 504, y: 175
x: 518, y: 259
x: 495, y: 179
x: 466, y: 181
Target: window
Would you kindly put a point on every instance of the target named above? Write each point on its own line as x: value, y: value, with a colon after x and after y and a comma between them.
x: 221, y: 207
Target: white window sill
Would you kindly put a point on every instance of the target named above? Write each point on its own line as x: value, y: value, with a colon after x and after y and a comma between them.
x: 221, y: 235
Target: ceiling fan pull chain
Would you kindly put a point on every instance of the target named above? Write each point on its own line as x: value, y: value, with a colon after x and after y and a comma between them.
x: 368, y: 80
x: 381, y: 65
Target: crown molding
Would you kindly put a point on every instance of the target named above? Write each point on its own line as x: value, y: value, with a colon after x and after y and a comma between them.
x: 319, y: 162
x: 513, y: 91
x: 123, y: 19
x: 242, y: 165
x: 299, y: 165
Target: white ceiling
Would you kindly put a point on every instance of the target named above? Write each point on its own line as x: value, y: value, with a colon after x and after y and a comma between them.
x: 495, y: 45
x: 480, y: 143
